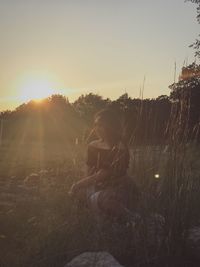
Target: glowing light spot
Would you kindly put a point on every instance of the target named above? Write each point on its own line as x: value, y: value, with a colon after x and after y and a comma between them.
x: 157, y: 175
x: 36, y: 90
x: 36, y: 86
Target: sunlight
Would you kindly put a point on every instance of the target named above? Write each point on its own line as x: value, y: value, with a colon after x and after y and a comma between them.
x: 36, y: 89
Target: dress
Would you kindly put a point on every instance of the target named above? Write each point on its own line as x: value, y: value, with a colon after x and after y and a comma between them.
x: 116, y: 161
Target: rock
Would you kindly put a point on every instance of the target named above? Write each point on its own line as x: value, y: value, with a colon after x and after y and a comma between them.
x: 194, y: 235
x: 91, y: 259
x: 32, y: 180
x: 43, y: 172
x: 194, y: 241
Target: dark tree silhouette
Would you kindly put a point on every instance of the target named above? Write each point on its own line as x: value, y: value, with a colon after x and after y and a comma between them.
x: 185, y: 95
x: 51, y: 120
x: 196, y: 44
x: 87, y: 105
x: 145, y: 120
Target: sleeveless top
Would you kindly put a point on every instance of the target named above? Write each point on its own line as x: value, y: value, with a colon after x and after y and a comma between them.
x: 115, y: 160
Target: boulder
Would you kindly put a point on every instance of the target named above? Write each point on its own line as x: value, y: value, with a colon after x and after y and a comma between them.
x: 194, y: 241
x: 91, y: 259
x: 32, y: 179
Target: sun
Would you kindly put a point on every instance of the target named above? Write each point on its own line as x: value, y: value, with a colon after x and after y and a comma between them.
x: 36, y: 89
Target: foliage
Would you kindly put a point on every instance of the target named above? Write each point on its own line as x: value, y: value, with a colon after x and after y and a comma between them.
x: 198, y: 8
x: 41, y: 226
x: 185, y: 95
x: 87, y: 105
x: 53, y: 119
x: 196, y: 44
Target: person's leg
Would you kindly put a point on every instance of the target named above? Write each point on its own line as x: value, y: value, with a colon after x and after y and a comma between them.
x: 93, y: 206
x: 112, y: 206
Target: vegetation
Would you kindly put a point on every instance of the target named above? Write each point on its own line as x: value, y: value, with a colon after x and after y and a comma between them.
x: 42, y: 153
x: 196, y: 44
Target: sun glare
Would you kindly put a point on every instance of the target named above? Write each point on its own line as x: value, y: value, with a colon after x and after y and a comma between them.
x: 36, y: 89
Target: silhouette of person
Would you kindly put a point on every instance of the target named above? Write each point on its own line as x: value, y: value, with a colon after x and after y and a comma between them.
x: 107, y: 188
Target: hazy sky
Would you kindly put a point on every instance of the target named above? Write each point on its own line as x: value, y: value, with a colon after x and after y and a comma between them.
x: 101, y: 46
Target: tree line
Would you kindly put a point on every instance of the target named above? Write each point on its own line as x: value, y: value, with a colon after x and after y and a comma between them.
x: 145, y: 121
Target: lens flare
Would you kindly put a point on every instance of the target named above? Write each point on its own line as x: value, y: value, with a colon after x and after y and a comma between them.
x: 36, y: 89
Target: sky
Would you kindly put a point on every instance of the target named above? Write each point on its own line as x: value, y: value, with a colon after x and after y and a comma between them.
x: 107, y: 47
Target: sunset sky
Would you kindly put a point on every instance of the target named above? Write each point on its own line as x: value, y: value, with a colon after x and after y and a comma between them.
x: 74, y: 47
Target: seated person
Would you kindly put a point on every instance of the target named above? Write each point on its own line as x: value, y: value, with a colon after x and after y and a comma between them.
x: 107, y: 188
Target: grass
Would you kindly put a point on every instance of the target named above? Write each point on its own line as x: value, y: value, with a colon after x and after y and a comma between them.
x: 41, y: 226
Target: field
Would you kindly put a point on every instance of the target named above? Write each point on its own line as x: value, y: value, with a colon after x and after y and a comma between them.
x: 120, y: 71
x: 41, y: 226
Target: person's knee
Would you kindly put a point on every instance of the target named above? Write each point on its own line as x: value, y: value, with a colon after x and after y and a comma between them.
x: 107, y: 202
x: 93, y: 201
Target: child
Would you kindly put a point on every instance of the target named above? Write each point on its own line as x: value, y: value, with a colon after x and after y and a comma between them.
x: 107, y: 188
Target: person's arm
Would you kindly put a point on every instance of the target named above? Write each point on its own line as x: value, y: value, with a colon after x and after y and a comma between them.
x: 97, y: 177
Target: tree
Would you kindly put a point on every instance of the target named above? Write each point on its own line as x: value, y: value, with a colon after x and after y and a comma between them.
x: 87, y: 105
x: 185, y: 95
x: 58, y: 100
x: 196, y: 44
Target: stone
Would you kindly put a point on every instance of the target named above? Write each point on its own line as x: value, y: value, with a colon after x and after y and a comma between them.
x: 32, y: 179
x: 194, y: 241
x: 91, y: 259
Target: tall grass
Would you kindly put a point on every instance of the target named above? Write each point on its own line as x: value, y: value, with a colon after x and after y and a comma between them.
x: 169, y: 184
x: 41, y: 226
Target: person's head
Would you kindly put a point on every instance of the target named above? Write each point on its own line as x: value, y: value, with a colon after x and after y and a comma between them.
x: 108, y: 126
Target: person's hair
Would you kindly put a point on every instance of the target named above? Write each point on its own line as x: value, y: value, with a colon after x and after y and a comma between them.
x: 112, y: 124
